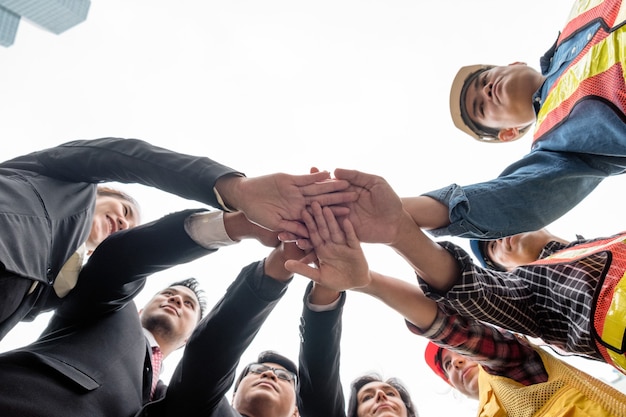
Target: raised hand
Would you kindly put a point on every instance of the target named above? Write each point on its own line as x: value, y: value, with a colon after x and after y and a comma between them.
x: 377, y: 211
x: 340, y: 261
x: 276, y: 201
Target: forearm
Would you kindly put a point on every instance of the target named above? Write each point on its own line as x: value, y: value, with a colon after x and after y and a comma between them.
x: 128, y: 161
x: 426, y: 212
x: 404, y: 297
x: 321, y: 391
x: 130, y: 256
x: 432, y: 262
x: 212, y: 354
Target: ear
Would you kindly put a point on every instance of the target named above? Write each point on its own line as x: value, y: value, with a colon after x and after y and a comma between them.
x: 509, y: 135
x: 518, y: 63
x: 296, y: 412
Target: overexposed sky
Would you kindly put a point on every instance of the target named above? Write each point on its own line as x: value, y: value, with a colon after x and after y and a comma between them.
x: 268, y: 86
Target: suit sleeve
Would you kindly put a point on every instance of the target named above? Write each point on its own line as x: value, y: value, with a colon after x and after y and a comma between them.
x: 212, y: 354
x: 128, y: 161
x: 321, y: 392
x: 117, y: 269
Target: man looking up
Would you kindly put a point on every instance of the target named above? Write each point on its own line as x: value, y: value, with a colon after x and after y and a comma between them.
x: 94, y: 358
x: 578, y: 104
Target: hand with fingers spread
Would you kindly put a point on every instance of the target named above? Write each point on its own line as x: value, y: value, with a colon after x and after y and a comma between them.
x: 276, y: 201
x: 340, y: 261
x: 377, y: 212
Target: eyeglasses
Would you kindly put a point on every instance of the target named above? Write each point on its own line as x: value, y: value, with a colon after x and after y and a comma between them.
x: 258, y: 368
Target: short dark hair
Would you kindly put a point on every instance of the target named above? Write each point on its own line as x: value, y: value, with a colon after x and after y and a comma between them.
x: 269, y: 356
x: 360, y: 382
x: 194, y: 286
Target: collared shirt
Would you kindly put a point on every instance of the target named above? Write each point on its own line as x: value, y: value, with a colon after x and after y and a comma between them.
x: 587, y: 147
x: 499, y: 352
x: 153, y: 343
x: 551, y: 302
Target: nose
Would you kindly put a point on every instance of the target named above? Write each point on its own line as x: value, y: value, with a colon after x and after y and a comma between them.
x: 487, y: 89
x: 123, y: 223
x: 458, y: 363
x: 176, y: 299
x: 380, y: 395
x: 269, y: 374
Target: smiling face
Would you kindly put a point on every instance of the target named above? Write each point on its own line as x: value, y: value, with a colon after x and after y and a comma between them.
x: 111, y: 214
x: 171, y: 315
x: 501, y: 98
x: 263, y: 390
x: 380, y: 399
x: 462, y: 373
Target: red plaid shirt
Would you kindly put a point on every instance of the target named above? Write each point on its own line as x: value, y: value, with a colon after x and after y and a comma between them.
x: 499, y: 352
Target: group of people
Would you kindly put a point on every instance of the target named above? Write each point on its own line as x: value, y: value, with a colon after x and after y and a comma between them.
x: 99, y: 357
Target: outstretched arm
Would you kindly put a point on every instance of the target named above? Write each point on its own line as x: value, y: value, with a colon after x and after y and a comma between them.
x: 212, y: 354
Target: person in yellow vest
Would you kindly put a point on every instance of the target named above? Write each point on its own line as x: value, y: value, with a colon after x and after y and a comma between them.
x: 566, y: 391
x: 514, y: 377
x: 577, y: 104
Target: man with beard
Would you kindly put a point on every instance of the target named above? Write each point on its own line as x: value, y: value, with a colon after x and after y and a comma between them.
x: 95, y: 358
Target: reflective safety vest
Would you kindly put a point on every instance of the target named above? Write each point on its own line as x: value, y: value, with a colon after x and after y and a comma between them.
x: 609, y: 309
x: 599, y: 69
x: 568, y: 392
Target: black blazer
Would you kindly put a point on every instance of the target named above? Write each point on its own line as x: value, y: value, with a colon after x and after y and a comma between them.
x: 92, y: 359
x: 321, y: 393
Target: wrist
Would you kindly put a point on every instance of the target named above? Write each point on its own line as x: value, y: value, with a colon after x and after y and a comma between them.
x: 225, y: 190
x: 274, y: 266
x: 321, y: 295
x: 405, y: 233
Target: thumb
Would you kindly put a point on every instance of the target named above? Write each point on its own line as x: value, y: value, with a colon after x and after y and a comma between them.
x: 300, y: 268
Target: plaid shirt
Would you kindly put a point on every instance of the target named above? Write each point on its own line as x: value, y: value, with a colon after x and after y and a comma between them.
x: 551, y: 302
x: 499, y: 352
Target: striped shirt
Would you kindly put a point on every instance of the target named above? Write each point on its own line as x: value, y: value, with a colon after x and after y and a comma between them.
x: 551, y: 302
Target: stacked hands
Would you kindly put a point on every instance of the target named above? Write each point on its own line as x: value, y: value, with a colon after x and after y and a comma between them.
x: 336, y: 214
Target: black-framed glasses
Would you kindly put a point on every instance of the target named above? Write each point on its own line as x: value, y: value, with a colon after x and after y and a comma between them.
x: 259, y: 368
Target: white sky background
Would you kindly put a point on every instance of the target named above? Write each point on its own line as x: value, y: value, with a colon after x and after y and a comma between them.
x: 272, y: 86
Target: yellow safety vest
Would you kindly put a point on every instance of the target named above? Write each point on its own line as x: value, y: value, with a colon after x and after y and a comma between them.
x: 567, y: 393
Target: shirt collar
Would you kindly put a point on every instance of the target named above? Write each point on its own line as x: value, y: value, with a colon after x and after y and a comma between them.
x: 151, y: 340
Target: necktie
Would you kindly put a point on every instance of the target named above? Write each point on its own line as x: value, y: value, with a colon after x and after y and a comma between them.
x: 156, y: 358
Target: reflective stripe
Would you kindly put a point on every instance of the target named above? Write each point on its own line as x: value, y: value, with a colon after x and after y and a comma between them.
x: 614, y: 329
x: 598, y: 59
